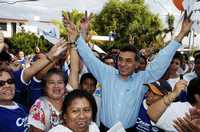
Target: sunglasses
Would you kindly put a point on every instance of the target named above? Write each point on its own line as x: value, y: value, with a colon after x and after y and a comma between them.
x: 9, y: 81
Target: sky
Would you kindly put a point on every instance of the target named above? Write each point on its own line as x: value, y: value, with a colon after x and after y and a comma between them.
x: 48, y: 9
x: 51, y: 9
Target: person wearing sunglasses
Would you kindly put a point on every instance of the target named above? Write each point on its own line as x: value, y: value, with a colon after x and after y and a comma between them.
x: 13, y: 115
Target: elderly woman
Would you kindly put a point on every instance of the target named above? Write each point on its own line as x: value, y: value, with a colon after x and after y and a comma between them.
x: 46, y: 111
x: 13, y: 116
x: 79, y: 112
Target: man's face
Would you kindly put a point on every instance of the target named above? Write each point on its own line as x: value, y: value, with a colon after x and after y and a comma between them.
x: 126, y: 63
x: 197, y: 67
x: 142, y: 64
x: 175, y: 64
x: 152, y: 98
x: 110, y: 62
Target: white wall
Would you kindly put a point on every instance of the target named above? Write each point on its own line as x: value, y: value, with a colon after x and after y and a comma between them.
x: 8, y: 33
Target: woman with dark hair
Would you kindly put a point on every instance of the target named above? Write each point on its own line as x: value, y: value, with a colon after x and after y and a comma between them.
x: 13, y: 115
x: 46, y: 111
x: 78, y: 111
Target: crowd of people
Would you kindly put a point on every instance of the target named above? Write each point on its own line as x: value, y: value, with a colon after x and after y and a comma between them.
x: 72, y: 89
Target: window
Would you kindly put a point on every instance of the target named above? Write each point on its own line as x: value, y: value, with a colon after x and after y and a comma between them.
x: 3, y: 26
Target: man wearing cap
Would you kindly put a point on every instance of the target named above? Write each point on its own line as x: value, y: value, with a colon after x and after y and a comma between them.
x: 196, y: 72
x: 156, y: 91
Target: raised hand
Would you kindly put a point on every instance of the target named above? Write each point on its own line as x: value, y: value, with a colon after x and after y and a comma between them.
x: 187, y: 123
x: 85, y: 24
x: 180, y: 85
x: 57, y: 49
x: 186, y: 26
x: 70, y: 26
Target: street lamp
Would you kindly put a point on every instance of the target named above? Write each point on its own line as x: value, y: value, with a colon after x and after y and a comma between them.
x: 16, y: 1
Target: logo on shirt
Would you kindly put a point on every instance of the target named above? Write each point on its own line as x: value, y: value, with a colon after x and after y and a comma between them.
x: 22, y: 122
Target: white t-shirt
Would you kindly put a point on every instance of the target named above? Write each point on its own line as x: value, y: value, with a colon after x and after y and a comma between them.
x: 173, y: 111
x: 173, y: 81
x: 60, y: 128
x: 190, y: 76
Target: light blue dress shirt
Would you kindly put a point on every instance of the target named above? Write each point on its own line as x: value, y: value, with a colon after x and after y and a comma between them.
x: 121, y: 99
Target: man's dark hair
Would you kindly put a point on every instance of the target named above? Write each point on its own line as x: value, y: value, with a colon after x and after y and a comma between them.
x: 192, y: 89
x: 87, y: 75
x: 108, y: 56
x: 178, y: 56
x: 131, y: 48
x: 78, y: 93
x: 6, y: 69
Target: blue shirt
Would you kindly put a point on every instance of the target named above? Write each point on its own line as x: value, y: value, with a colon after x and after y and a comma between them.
x: 21, y: 88
x: 35, y: 91
x: 13, y: 119
x: 143, y: 123
x: 121, y: 99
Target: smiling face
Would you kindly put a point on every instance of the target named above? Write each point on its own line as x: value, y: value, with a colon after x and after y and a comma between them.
x: 55, y: 86
x: 89, y: 85
x: 126, y: 63
x: 78, y: 116
x: 152, y: 97
x: 175, y: 64
x: 7, y: 88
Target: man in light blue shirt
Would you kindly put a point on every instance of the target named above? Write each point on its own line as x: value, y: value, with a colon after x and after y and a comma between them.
x: 122, y: 88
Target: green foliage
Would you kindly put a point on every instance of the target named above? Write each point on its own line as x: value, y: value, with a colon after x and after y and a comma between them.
x: 27, y: 42
x: 61, y: 27
x: 170, y: 22
x: 128, y: 18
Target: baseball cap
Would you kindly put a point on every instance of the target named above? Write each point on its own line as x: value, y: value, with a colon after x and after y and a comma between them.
x: 161, y: 87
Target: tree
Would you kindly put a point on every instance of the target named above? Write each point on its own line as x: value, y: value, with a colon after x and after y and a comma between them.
x: 27, y: 42
x: 128, y: 18
x: 170, y: 22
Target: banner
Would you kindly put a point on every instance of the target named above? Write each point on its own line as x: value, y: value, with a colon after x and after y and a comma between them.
x: 50, y: 33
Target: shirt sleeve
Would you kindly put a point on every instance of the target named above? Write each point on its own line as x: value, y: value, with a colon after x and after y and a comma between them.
x: 95, y: 66
x: 36, y: 116
x: 161, y: 62
x: 22, y: 79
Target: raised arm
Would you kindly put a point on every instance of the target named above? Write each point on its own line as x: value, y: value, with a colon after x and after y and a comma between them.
x: 160, y: 64
x: 158, y: 108
x: 38, y: 65
x: 95, y: 66
x: 74, y: 68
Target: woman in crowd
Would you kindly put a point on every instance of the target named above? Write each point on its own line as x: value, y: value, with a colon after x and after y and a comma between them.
x: 175, y: 70
x: 46, y: 111
x: 13, y: 115
x: 78, y: 112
